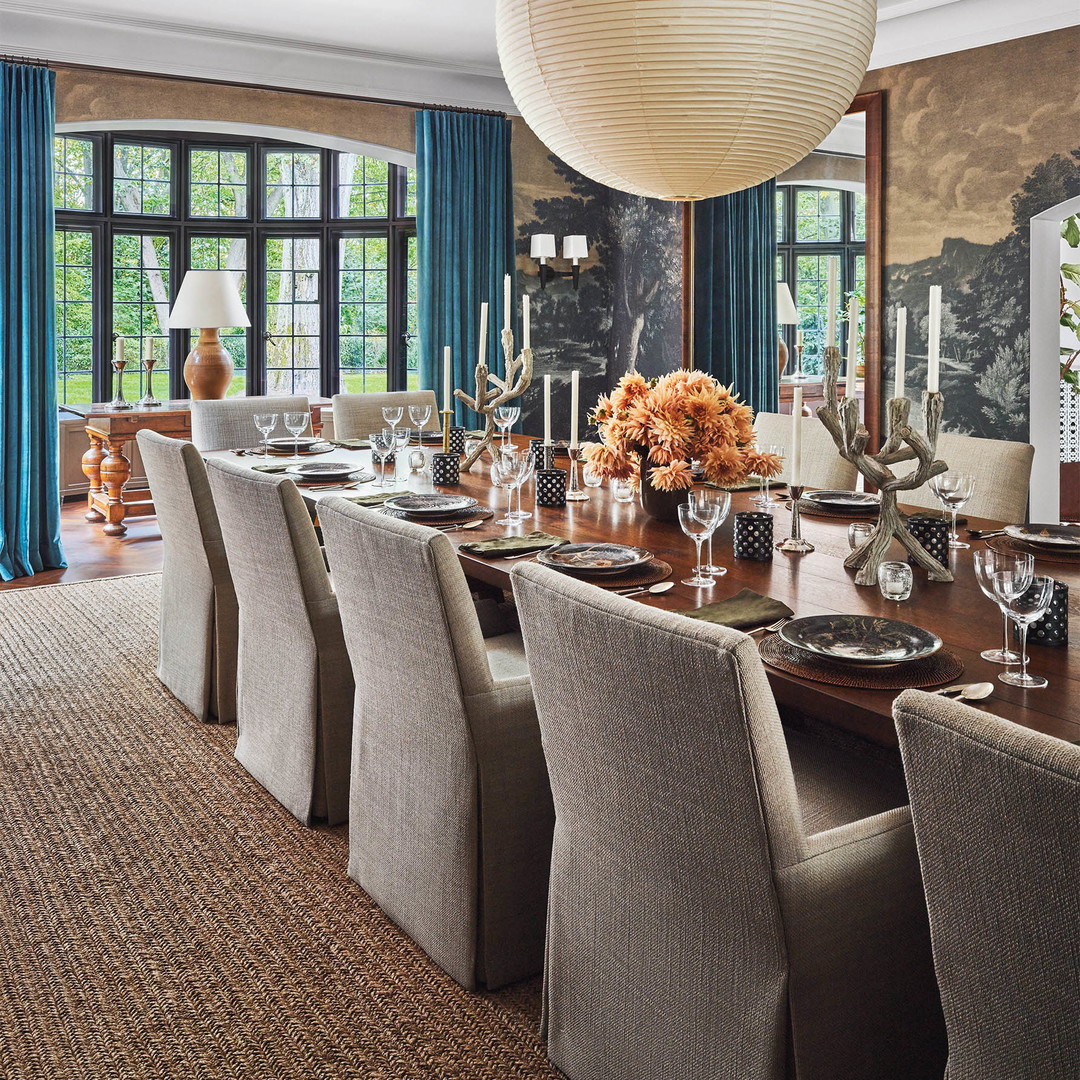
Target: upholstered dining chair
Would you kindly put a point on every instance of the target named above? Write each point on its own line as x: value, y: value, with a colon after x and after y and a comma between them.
x: 712, y: 912
x: 229, y: 424
x: 1002, y: 472
x: 294, y: 687
x: 198, y: 623
x: 997, y: 820
x: 822, y: 465
x: 450, y: 814
x: 356, y: 416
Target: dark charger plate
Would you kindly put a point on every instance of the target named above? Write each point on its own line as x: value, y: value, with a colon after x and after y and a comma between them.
x: 860, y: 639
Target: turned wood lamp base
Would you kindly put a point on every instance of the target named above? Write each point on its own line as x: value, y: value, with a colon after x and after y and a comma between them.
x: 208, y: 369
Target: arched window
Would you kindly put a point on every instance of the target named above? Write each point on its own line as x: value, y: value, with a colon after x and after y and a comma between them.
x: 322, y: 242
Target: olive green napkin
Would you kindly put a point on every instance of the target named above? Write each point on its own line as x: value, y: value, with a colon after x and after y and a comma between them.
x: 276, y: 467
x: 350, y: 444
x: 513, y: 545
x: 742, y: 611
x: 376, y: 498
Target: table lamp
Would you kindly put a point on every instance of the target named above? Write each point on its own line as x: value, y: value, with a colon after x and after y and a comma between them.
x: 786, y: 312
x: 209, y: 300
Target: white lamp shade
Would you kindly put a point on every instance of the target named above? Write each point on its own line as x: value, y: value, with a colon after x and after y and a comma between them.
x: 542, y: 246
x: 575, y: 247
x: 683, y: 99
x: 208, y: 298
x: 786, y: 311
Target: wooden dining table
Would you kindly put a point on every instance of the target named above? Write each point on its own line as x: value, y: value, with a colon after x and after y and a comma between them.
x: 816, y: 583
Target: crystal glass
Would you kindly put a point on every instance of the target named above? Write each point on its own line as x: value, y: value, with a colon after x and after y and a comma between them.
x: 699, y: 525
x: 987, y: 564
x: 382, y: 444
x: 392, y: 415
x: 296, y: 424
x: 419, y: 415
x: 622, y: 490
x: 1023, y: 606
x: 762, y: 497
x: 401, y: 444
x: 953, y: 490
x: 894, y: 580
x: 506, y: 416
x: 858, y: 532
x: 701, y: 500
x: 507, y: 471
x: 526, y: 475
x: 265, y: 422
x: 591, y: 477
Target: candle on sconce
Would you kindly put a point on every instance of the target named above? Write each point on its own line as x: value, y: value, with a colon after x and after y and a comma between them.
x: 830, y: 306
x: 547, y: 410
x: 853, y: 346
x: 901, y: 350
x: 526, y: 323
x: 933, y: 362
x: 795, y: 469
x: 574, y: 377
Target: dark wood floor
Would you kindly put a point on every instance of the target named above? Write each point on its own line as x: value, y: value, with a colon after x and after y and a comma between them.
x: 92, y: 554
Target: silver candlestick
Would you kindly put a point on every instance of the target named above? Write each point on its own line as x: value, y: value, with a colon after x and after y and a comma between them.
x: 574, y: 492
x: 119, y: 401
x: 795, y: 542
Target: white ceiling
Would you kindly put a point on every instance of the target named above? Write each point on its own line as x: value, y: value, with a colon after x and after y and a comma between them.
x: 409, y: 50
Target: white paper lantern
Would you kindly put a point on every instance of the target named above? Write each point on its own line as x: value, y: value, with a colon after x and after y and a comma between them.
x: 683, y: 99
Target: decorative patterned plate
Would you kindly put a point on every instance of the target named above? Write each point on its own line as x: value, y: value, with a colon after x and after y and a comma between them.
x: 301, y: 442
x: 594, y: 558
x: 844, y: 500
x: 1059, y: 556
x: 860, y: 639
x: 425, y: 506
x: 1057, y: 536
x: 321, y: 470
x: 319, y: 447
x: 452, y: 518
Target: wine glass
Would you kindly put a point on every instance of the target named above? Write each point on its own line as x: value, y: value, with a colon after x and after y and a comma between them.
x: 988, y: 563
x: 507, y: 472
x: 295, y: 424
x: 382, y: 442
x: 762, y: 497
x: 401, y: 444
x: 506, y: 416
x: 953, y: 489
x: 706, y: 497
x: 392, y: 415
x: 698, y: 525
x: 1023, y: 606
x: 419, y: 415
x: 527, y: 470
x: 265, y: 422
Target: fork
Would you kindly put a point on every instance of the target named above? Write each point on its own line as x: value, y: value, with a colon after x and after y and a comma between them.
x: 771, y: 628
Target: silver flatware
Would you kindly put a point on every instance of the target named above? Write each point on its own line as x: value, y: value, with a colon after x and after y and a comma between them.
x: 523, y: 554
x: 771, y: 628
x: 984, y: 534
x: 464, y: 525
x: 968, y: 691
x: 655, y: 590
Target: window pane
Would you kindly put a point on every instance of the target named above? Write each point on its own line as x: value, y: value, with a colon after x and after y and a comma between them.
x: 142, y: 179
x: 292, y: 184
x: 362, y: 330
x: 292, y: 315
x: 817, y: 215
x: 412, y: 316
x: 363, y: 186
x: 74, y: 316
x: 218, y: 180
x: 73, y: 173
x: 780, y: 204
x: 410, y: 193
x: 858, y: 225
x: 226, y: 253
x: 811, y: 294
x: 140, y: 308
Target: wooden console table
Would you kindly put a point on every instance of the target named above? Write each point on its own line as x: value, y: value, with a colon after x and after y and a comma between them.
x: 108, y: 468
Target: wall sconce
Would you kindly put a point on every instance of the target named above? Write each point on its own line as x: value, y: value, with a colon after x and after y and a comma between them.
x: 574, y: 248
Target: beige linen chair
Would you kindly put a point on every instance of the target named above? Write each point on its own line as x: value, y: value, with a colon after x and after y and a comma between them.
x: 1002, y: 472
x: 198, y: 623
x: 697, y: 925
x: 450, y: 815
x: 822, y: 465
x: 997, y: 819
x: 356, y: 416
x: 295, y: 689
x: 229, y: 424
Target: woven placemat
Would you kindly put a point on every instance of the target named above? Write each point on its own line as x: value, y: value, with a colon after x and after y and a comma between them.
x: 1006, y: 545
x: 471, y: 513
x: 942, y: 667
x: 817, y: 510
x: 653, y: 571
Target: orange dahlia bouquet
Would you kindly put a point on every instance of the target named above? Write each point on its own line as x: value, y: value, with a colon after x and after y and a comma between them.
x: 662, y: 425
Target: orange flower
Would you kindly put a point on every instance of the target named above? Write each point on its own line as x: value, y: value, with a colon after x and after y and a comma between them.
x: 678, y: 476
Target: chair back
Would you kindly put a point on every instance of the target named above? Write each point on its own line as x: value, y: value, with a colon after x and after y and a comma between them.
x: 198, y: 626
x: 822, y: 465
x: 673, y: 798
x: 356, y: 416
x: 997, y: 819
x: 229, y: 423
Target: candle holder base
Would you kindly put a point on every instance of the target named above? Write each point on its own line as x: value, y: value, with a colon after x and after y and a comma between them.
x: 574, y: 493
x: 795, y: 544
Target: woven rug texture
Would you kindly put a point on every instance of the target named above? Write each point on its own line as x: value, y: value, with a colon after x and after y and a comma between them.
x: 162, y: 917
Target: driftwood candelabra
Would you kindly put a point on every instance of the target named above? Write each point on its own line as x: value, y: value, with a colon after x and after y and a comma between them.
x: 903, y: 443
x: 491, y: 391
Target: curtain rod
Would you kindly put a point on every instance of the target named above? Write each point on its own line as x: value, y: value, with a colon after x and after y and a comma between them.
x: 31, y: 61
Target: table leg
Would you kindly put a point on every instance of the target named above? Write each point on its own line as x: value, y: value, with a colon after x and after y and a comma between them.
x: 115, y: 473
x: 91, y: 467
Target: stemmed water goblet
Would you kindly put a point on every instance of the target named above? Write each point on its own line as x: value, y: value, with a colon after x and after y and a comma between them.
x: 295, y: 424
x: 507, y: 471
x: 1024, y: 606
x: 506, y: 416
x: 762, y: 497
x: 953, y: 490
x: 705, y: 498
x: 392, y: 415
x: 987, y: 564
x: 382, y: 443
x: 266, y: 422
x: 419, y: 415
x: 527, y: 470
x: 698, y: 524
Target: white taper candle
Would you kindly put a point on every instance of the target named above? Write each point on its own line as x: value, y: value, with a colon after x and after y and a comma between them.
x: 119, y: 349
x: 830, y: 306
x: 482, y: 351
x: 526, y: 324
x: 507, y: 309
x: 547, y: 409
x: 901, y: 350
x: 852, y: 346
x: 446, y: 361
x: 933, y: 363
x: 574, y: 377
x: 795, y: 466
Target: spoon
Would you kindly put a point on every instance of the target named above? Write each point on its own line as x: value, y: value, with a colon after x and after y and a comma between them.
x: 970, y: 692
x: 656, y: 590
x: 463, y: 525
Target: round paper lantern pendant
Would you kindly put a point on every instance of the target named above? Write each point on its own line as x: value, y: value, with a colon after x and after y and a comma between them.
x: 683, y: 99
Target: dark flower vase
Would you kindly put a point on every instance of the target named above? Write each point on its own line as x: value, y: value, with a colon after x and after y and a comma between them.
x: 662, y: 505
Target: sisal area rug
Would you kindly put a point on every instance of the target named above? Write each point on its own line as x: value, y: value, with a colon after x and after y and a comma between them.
x: 162, y: 917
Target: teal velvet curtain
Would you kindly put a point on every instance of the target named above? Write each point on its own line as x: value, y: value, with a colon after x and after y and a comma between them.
x: 29, y: 433
x: 735, y: 332
x: 465, y: 232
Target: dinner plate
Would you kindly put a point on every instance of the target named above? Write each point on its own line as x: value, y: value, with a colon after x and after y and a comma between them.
x: 321, y: 470
x: 844, y: 500
x: 1058, y: 536
x: 594, y: 558
x: 317, y: 446
x: 430, y: 505
x: 860, y: 639
x: 301, y: 442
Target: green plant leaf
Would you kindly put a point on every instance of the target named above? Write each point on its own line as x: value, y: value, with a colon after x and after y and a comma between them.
x: 1070, y: 230
x: 1071, y: 271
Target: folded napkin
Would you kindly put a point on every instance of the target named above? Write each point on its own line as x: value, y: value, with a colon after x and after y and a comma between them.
x: 376, y: 498
x: 350, y: 444
x: 742, y: 611
x: 277, y: 467
x: 513, y: 545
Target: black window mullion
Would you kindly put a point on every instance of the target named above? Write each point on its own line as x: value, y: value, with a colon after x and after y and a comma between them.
x: 397, y: 378
x: 329, y: 353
